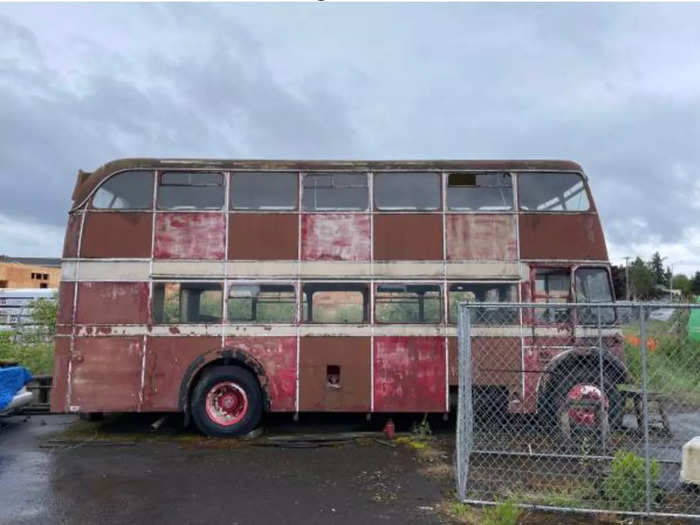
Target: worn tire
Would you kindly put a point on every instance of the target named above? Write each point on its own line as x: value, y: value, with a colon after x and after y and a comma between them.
x: 247, y: 388
x: 91, y: 416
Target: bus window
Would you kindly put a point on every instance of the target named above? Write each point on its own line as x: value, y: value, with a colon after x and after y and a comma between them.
x: 408, y: 303
x: 187, y: 303
x: 262, y: 303
x: 335, y: 191
x: 479, y: 191
x: 264, y: 191
x: 407, y: 191
x: 179, y: 190
x: 131, y: 190
x: 485, y: 293
x: 592, y: 285
x: 552, y: 192
x: 552, y: 286
x: 335, y: 303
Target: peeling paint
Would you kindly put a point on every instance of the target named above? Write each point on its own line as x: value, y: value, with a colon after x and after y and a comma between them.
x: 481, y: 236
x: 190, y: 236
x: 335, y: 237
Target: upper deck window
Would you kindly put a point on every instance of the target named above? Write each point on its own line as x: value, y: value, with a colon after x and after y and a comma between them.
x: 408, y: 303
x: 264, y: 191
x: 179, y: 190
x: 407, y: 191
x: 479, y: 191
x: 130, y: 190
x: 552, y: 192
x: 335, y: 191
x: 262, y: 303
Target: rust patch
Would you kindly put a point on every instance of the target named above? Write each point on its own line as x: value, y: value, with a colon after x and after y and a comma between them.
x: 277, y: 356
x: 174, y: 330
x: 407, y: 236
x: 190, y: 236
x: 167, y: 359
x: 70, y: 241
x: 115, y: 234
x: 352, y: 357
x: 106, y: 374
x: 64, y: 314
x: 112, y: 303
x: 335, y: 237
x: 561, y: 236
x: 265, y: 236
x: 481, y: 236
x: 409, y: 374
x: 59, y: 387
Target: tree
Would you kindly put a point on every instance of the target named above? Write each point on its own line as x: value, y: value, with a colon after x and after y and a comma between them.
x: 695, y: 284
x: 642, y: 279
x: 682, y: 283
x: 618, y: 277
x: 657, y: 268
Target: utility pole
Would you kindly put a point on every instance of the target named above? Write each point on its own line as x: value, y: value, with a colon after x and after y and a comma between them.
x: 627, y: 278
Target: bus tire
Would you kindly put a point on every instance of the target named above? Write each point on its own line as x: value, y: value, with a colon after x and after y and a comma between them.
x: 226, y: 402
x: 91, y: 416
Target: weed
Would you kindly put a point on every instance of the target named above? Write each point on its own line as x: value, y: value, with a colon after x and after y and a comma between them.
x: 422, y: 430
x: 504, y: 512
x: 625, y: 486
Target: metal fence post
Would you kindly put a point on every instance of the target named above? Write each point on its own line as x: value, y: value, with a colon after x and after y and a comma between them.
x: 602, y: 411
x: 645, y: 406
x: 465, y: 415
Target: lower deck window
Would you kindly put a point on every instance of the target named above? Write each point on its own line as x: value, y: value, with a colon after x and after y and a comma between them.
x: 553, y: 285
x: 407, y: 303
x: 335, y: 303
x: 485, y: 293
x: 187, y: 302
x: 264, y: 303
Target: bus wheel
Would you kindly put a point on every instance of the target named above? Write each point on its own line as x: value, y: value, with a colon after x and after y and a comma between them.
x: 227, y: 402
x: 584, y: 384
x: 91, y: 416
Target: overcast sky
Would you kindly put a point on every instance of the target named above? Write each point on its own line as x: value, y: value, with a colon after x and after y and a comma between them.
x: 613, y: 87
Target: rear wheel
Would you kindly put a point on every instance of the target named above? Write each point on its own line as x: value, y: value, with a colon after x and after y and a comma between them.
x: 227, y: 402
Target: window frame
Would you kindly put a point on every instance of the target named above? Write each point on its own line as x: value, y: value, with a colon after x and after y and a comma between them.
x: 580, y: 319
x: 301, y: 191
x: 553, y: 173
x: 153, y: 178
x: 441, y: 301
x: 185, y: 282
x: 450, y: 284
x: 326, y: 286
x: 441, y: 196
x: 231, y: 188
x: 224, y: 185
x: 514, y: 192
x: 232, y: 284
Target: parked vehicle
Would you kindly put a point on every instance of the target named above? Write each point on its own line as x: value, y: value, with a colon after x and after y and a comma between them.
x: 225, y: 289
x: 13, y: 393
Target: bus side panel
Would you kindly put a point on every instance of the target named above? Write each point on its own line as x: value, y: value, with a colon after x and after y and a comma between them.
x: 70, y: 241
x: 278, y: 357
x: 335, y: 237
x: 414, y: 236
x: 267, y: 236
x: 59, y: 386
x: 562, y: 236
x: 64, y: 313
x: 106, y: 374
x: 117, y: 234
x: 190, y: 236
x: 112, y: 303
x: 167, y: 360
x: 335, y: 374
x: 481, y: 237
x: 409, y: 374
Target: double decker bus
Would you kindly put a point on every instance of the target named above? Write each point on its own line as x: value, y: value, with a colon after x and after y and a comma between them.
x: 229, y: 288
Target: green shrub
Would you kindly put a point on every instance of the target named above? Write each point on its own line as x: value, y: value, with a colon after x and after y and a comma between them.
x: 625, y: 486
x: 504, y: 513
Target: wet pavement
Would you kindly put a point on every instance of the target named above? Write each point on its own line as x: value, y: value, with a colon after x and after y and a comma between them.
x: 184, y: 478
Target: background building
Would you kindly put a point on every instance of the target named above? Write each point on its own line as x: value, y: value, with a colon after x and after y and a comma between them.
x: 29, y: 272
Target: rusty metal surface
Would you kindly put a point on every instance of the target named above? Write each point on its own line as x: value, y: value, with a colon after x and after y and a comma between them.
x: 267, y: 236
x: 190, y: 236
x: 70, y: 241
x: 277, y: 356
x: 353, y: 357
x: 106, y: 374
x: 112, y: 303
x: 117, y: 234
x: 89, y: 181
x: 407, y: 236
x: 481, y: 236
x: 64, y: 313
x: 167, y: 359
x: 409, y: 374
x: 59, y: 387
x: 335, y: 237
x: 562, y: 236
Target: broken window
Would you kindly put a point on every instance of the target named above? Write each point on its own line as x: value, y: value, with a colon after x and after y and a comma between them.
x: 593, y: 286
x: 130, y: 190
x: 179, y: 190
x: 485, y: 293
x: 262, y: 303
x: 552, y: 192
x: 408, y: 303
x: 479, y: 191
x: 407, y: 191
x: 335, y: 191
x: 264, y: 191
x: 552, y: 286
x: 187, y: 302
x: 335, y: 303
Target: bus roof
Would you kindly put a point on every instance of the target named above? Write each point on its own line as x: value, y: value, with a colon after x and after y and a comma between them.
x: 87, y: 181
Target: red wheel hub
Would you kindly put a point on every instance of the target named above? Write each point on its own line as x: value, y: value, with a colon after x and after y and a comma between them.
x: 586, y: 416
x: 226, y: 403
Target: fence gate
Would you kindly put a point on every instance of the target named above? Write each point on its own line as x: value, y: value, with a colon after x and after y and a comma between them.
x: 586, y: 406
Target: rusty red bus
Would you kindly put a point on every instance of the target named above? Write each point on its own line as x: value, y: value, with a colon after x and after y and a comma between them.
x: 225, y: 289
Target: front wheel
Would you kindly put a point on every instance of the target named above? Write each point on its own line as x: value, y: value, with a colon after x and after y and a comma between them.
x: 227, y: 402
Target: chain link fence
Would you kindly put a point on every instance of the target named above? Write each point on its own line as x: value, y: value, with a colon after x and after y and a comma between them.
x: 580, y: 406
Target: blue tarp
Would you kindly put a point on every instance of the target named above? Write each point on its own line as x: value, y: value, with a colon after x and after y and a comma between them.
x: 12, y: 379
